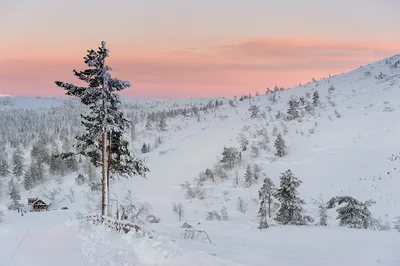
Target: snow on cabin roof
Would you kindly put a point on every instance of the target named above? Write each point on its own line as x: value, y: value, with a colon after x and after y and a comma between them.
x: 42, y: 198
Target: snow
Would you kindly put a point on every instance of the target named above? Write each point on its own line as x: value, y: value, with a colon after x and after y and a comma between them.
x: 36, y: 241
x: 333, y: 156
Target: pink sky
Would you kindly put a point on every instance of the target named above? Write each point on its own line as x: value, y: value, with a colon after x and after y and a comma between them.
x: 198, y: 50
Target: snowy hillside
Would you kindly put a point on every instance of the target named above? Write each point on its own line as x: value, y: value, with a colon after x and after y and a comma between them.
x: 343, y: 144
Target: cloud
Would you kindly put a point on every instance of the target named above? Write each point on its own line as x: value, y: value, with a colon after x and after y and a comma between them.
x: 307, y: 48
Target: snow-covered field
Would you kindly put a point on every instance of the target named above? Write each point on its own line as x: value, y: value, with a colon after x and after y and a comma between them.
x: 350, y: 152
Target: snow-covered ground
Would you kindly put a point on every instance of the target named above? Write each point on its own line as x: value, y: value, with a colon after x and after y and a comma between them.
x: 51, y: 239
x: 348, y: 153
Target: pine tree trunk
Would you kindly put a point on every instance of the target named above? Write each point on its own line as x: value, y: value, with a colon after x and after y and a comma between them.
x: 108, y: 171
x: 269, y: 205
x: 103, y: 183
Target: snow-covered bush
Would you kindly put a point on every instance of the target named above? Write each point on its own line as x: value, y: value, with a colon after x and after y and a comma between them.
x: 214, y: 215
x: 196, y: 234
x: 241, y: 205
x: 193, y: 192
x: 224, y: 214
x: 397, y: 224
x: 133, y: 210
x: 322, y: 213
x: 153, y: 219
x: 354, y: 214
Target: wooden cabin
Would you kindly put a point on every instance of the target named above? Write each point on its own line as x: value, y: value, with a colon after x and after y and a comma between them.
x: 39, y: 204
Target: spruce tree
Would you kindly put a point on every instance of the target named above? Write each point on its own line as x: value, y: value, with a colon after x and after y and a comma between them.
x: 209, y: 174
x: 291, y: 209
x: 15, y: 197
x: 243, y: 141
x: 229, y: 157
x: 248, y: 176
x: 18, y: 163
x: 40, y: 171
x: 53, y: 165
x: 280, y: 146
x: 256, y: 171
x: 316, y: 98
x: 103, y: 141
x: 163, y: 123
x: 254, y: 109
x: 397, y: 224
x: 4, y: 166
x: 148, y: 125
x: 293, y: 112
x: 40, y: 153
x: 71, y: 164
x: 28, y: 180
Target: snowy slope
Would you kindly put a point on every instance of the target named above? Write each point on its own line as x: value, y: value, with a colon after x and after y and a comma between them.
x: 352, y: 154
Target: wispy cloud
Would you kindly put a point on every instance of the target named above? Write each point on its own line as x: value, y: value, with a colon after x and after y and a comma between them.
x: 307, y: 48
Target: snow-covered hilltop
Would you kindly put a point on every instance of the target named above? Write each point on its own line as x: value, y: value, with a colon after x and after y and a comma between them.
x: 340, y: 140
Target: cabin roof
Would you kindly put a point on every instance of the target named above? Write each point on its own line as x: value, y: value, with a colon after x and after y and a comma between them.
x: 44, y: 199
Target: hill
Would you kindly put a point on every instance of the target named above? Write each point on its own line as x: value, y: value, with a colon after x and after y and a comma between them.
x: 344, y: 144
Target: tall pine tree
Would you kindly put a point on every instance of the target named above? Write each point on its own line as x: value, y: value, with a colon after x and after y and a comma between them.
x: 103, y: 141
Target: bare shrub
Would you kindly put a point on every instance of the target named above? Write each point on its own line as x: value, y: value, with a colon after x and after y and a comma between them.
x: 226, y: 193
x: 236, y: 179
x: 177, y: 208
x: 224, y: 214
x: 220, y: 172
x: 379, y: 224
x: 193, y: 192
x: 321, y: 210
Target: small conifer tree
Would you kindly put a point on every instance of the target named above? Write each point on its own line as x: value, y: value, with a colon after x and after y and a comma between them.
x: 280, y: 146
x: 18, y: 163
x: 291, y: 206
x: 15, y: 197
x: 265, y: 195
x: 293, y: 112
x: 316, y: 98
x: 354, y: 213
x: 248, y: 176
